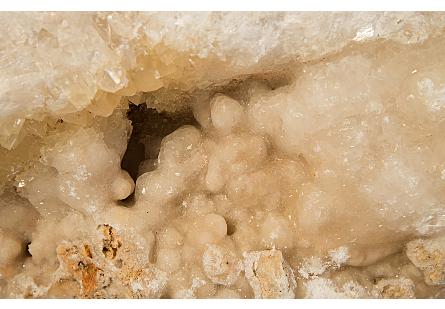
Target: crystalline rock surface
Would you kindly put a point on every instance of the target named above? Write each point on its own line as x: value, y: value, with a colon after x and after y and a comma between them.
x: 222, y: 155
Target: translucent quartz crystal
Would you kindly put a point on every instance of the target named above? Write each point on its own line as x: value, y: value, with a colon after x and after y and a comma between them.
x: 317, y: 173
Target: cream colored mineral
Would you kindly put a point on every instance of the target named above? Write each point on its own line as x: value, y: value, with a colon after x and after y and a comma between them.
x: 222, y: 155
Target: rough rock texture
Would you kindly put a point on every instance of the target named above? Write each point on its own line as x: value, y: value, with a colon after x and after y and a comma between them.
x: 396, y: 288
x: 429, y: 256
x: 269, y: 274
x: 205, y: 155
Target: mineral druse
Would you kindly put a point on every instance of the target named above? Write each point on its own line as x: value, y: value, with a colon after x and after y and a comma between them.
x: 222, y: 155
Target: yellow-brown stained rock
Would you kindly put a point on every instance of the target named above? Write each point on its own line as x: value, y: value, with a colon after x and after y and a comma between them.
x: 111, y: 242
x: 98, y: 277
x: 437, y: 276
x: 79, y: 263
x: 139, y: 280
x: 429, y: 256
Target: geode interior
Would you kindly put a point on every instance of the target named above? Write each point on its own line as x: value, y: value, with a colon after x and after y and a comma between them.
x: 222, y: 155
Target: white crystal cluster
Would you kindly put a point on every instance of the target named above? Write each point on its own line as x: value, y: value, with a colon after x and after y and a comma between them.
x: 331, y: 186
x: 67, y: 65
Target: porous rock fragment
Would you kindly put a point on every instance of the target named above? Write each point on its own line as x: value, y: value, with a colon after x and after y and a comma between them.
x: 115, y: 273
x: 111, y: 242
x: 429, y: 256
x: 269, y: 275
x: 78, y: 262
x: 221, y: 265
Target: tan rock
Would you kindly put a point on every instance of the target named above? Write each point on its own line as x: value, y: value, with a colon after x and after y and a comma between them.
x: 78, y: 262
x: 269, y: 274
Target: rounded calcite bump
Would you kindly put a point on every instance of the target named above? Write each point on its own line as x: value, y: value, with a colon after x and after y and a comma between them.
x: 276, y: 232
x: 202, y: 114
x: 10, y: 248
x: 147, y: 166
x: 169, y: 238
x: 243, y: 153
x: 226, y: 113
x: 168, y: 260
x: 221, y: 265
x: 215, y: 179
x: 234, y: 156
x: 89, y: 174
x: 85, y: 155
x: 258, y: 189
x: 181, y: 158
x: 311, y: 209
x: 198, y: 204
x: 208, y: 229
x: 180, y: 147
x: 122, y: 186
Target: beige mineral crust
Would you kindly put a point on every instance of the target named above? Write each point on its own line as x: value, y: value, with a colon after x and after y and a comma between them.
x: 222, y: 155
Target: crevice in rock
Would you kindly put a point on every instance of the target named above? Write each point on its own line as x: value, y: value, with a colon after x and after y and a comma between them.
x: 149, y: 128
x: 150, y: 125
x: 27, y: 253
x: 231, y: 227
